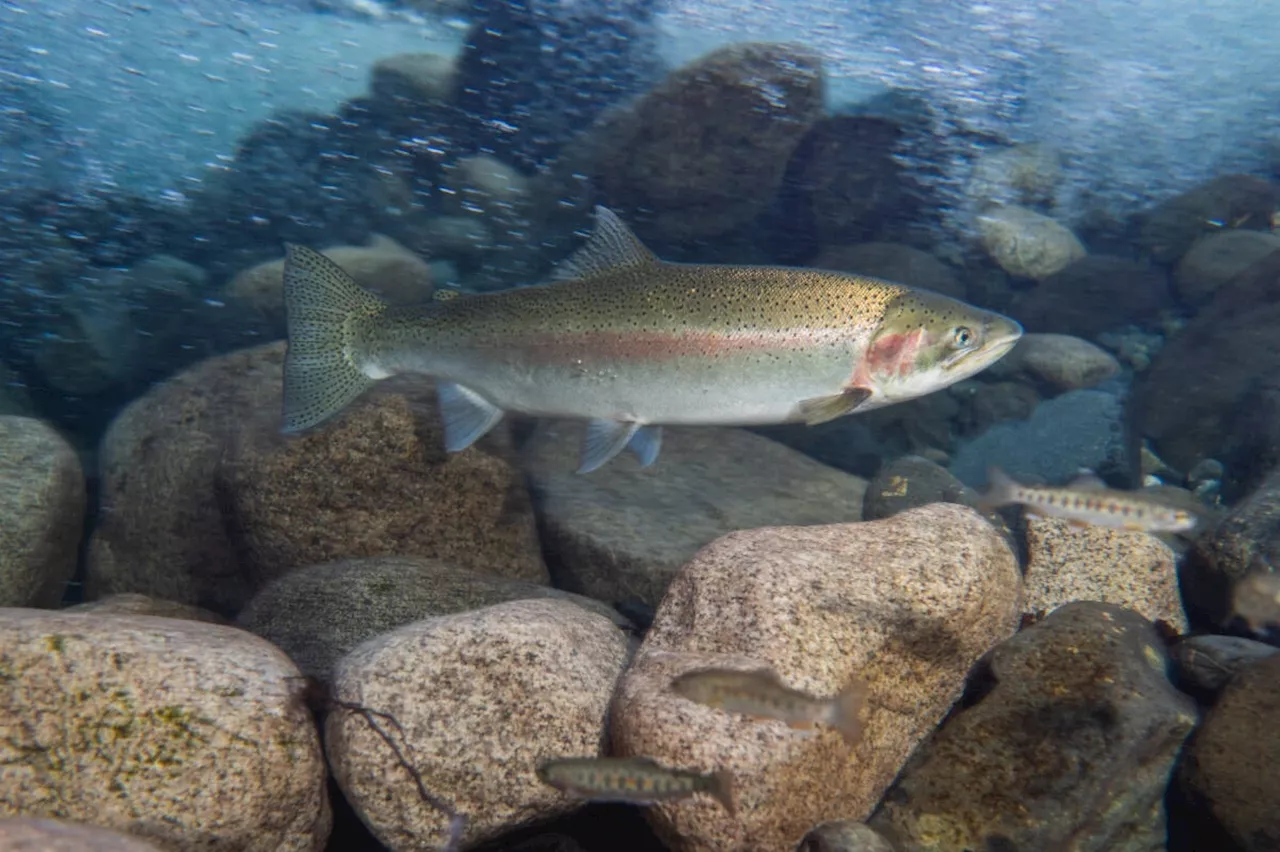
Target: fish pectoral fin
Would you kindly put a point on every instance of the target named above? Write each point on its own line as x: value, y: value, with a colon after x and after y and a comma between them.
x: 823, y: 408
x: 646, y: 443
x: 605, y: 439
x: 467, y: 415
x: 612, y: 246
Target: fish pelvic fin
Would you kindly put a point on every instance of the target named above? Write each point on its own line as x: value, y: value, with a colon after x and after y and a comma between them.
x: 721, y: 787
x: 328, y: 316
x: 606, y: 438
x: 467, y: 416
x: 611, y: 247
x: 1000, y: 490
x: 846, y: 710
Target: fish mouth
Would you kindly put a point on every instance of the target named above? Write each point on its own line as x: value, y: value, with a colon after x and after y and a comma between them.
x: 1002, y: 335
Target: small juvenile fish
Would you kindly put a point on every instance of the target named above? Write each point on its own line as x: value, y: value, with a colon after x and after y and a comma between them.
x: 636, y: 780
x: 761, y: 694
x: 1087, y: 501
x: 1256, y: 599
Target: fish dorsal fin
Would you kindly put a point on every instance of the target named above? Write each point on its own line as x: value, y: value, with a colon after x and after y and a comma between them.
x: 611, y: 247
x: 1087, y: 481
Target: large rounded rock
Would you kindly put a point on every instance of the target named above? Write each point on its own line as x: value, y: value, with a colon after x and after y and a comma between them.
x: 1070, y: 745
x: 1239, y: 200
x: 1027, y: 244
x: 1092, y: 295
x: 674, y: 163
x: 1066, y: 563
x: 1060, y: 361
x: 479, y: 699
x: 1230, y: 765
x: 25, y: 834
x: 42, y: 504
x: 906, y: 604
x: 209, y: 502
x: 317, y: 615
x: 1206, y: 663
x: 624, y: 531
x: 193, y: 735
x: 1190, y: 400
x: 1216, y: 258
x: 133, y: 604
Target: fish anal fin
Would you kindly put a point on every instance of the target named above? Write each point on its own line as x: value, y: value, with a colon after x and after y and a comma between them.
x: 823, y: 408
x: 467, y: 415
x: 646, y: 443
x: 612, y: 246
x: 605, y: 439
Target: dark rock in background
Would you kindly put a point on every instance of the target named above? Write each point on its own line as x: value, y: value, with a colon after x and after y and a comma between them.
x: 1236, y: 200
x: 1068, y: 745
x: 912, y: 481
x: 1092, y: 295
x: 1208, y: 663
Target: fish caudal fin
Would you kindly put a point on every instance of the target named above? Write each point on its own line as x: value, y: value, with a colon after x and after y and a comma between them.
x: 721, y: 788
x: 326, y: 311
x: 1001, y: 490
x: 846, y: 710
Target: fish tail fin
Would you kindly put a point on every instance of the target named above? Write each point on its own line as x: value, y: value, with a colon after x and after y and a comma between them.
x: 722, y: 788
x: 1001, y: 490
x: 846, y: 710
x: 327, y: 314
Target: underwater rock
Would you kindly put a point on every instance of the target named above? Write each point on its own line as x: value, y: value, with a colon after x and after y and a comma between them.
x: 984, y: 404
x: 188, y: 734
x: 844, y: 835
x: 906, y: 604
x: 384, y: 266
x: 1060, y: 361
x: 1234, y: 201
x: 320, y: 613
x: 1230, y: 764
x: 1246, y: 539
x: 14, y: 399
x: 1093, y: 294
x: 843, y: 184
x: 479, y: 699
x: 893, y: 262
x: 1069, y: 745
x: 1214, y: 259
x: 29, y: 834
x: 1252, y: 450
x: 210, y: 502
x: 909, y: 482
x: 1208, y: 663
x: 1023, y: 174
x: 1190, y: 400
x: 42, y: 504
x: 131, y: 604
x: 499, y: 198
x: 673, y: 164
x: 1129, y: 569
x: 1025, y: 243
x: 461, y: 237
x: 624, y: 531
x: 409, y: 80
x: 1079, y: 429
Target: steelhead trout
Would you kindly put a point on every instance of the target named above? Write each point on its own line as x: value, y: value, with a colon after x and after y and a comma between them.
x: 630, y: 342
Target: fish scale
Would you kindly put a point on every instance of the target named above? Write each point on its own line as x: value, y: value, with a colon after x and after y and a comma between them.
x: 629, y: 343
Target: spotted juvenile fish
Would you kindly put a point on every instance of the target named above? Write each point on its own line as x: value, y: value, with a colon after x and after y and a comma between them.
x: 1087, y: 501
x: 629, y: 342
x: 761, y: 694
x: 1256, y: 599
x: 638, y: 780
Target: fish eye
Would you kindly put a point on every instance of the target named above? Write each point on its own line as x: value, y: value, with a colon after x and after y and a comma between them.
x: 962, y: 337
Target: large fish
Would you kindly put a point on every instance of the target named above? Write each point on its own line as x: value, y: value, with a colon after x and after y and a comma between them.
x: 630, y: 342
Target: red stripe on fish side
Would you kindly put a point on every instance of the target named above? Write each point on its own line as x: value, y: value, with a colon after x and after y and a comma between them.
x: 661, y: 346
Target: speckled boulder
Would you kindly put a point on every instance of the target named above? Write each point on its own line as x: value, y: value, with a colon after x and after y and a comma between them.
x: 192, y: 735
x: 1025, y: 243
x: 1069, y: 745
x: 316, y: 615
x: 907, y: 604
x: 42, y: 504
x: 384, y: 266
x: 1066, y: 563
x: 209, y: 502
x: 480, y: 699
x: 132, y: 604
x: 26, y: 834
x: 1230, y: 765
x: 1060, y: 361
x: 677, y: 151
x: 623, y: 531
